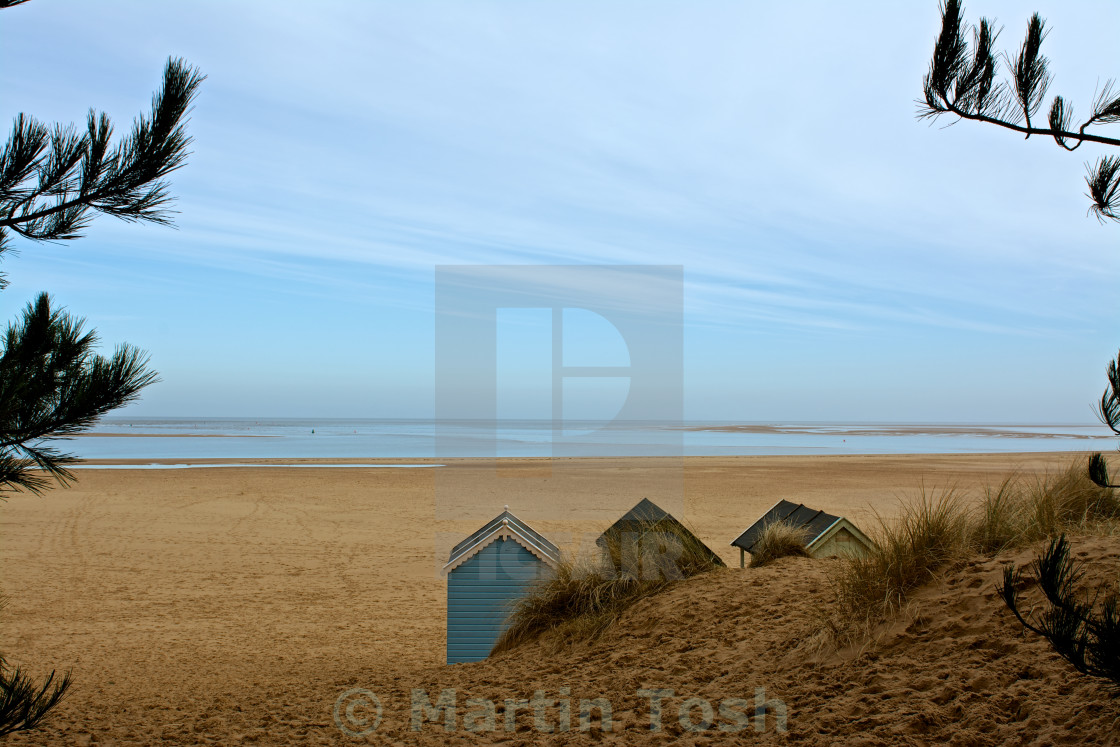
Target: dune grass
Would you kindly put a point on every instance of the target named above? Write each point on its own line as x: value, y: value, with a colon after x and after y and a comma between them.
x: 1017, y: 513
x: 1069, y: 501
x: 932, y: 531
x: 581, y: 599
x: 779, y: 540
x: 577, y: 602
x: 998, y: 520
x: 937, y: 530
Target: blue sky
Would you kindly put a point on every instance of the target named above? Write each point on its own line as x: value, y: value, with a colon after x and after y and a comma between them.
x: 842, y: 260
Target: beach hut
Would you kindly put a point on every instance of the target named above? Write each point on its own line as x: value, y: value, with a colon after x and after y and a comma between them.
x: 828, y: 535
x: 647, y: 528
x: 486, y: 574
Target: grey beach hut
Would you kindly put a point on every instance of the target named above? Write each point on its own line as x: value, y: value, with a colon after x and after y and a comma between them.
x: 647, y: 540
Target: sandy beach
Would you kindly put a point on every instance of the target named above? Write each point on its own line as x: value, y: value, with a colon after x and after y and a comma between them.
x: 226, y: 606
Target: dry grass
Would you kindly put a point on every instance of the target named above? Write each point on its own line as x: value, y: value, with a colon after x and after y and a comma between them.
x: 935, y: 531
x: 1017, y: 514
x: 932, y: 532
x: 1068, y: 501
x: 578, y: 602
x: 998, y: 520
x: 779, y: 540
x: 582, y: 599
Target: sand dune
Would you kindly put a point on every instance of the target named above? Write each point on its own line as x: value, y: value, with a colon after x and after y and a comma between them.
x: 955, y: 668
x: 236, y: 605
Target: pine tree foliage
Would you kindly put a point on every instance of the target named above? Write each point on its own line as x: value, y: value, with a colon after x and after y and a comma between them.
x: 53, y: 180
x: 1084, y: 632
x: 1109, y: 412
x: 1109, y: 408
x: 964, y: 80
x: 23, y: 704
x: 52, y: 384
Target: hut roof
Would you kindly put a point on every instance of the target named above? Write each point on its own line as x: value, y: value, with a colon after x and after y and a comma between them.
x: 645, y: 512
x: 647, y: 515
x: 814, y: 522
x: 504, y: 525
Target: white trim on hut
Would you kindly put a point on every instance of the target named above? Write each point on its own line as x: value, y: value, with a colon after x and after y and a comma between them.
x: 506, y: 529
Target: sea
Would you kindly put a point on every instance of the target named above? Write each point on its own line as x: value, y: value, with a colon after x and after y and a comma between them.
x: 138, y: 439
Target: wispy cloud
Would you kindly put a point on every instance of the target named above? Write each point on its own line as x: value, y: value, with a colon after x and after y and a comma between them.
x: 343, y: 150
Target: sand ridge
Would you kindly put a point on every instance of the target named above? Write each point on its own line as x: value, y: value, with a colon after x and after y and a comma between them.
x: 953, y: 668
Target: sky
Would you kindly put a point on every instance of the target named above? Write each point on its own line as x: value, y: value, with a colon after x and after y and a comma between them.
x: 842, y: 260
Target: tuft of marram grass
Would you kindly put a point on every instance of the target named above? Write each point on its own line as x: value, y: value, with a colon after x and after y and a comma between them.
x: 998, y: 522
x: 580, y: 600
x: 931, y: 532
x: 1017, y: 513
x: 935, y: 531
x: 1066, y: 501
x: 577, y: 602
x: 779, y: 540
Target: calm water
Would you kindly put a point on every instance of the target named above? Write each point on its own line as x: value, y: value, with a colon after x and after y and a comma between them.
x: 174, y: 438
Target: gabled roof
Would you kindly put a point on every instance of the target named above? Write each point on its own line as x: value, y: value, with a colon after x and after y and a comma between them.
x: 836, y: 526
x: 646, y: 512
x: 814, y: 522
x: 504, y: 525
x: 644, y: 517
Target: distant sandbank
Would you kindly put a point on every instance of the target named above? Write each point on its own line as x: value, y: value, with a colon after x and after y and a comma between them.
x: 169, y: 435
x: 895, y: 430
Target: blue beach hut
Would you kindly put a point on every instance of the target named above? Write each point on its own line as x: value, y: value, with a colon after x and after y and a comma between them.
x: 486, y: 574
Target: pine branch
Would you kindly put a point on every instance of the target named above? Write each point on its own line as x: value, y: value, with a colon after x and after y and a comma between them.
x: 1061, y: 116
x: 51, y: 382
x: 952, y: 108
x: 23, y: 704
x: 53, y: 385
x: 19, y: 157
x: 1030, y: 74
x: 75, y: 176
x: 1104, y: 188
x: 1085, y: 634
x: 962, y: 82
x: 1109, y: 408
x: 1098, y: 471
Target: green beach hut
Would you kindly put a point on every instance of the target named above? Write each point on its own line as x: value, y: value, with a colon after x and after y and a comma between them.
x: 486, y: 574
x: 826, y: 535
